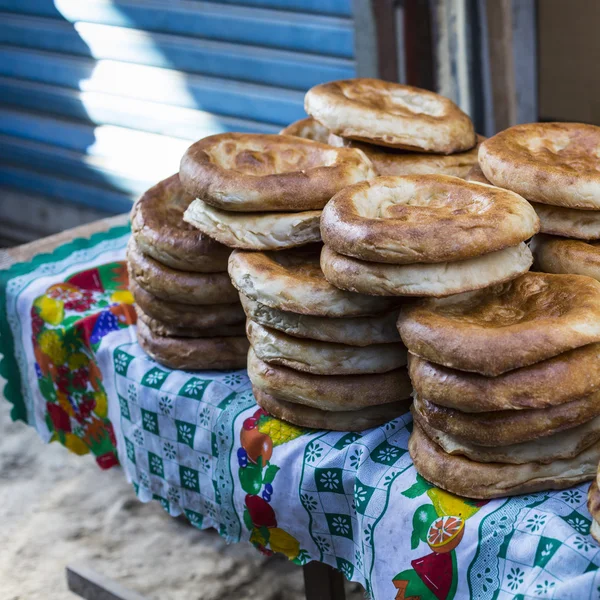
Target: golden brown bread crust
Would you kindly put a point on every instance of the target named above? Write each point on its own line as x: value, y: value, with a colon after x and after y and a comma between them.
x: 593, y: 504
x: 506, y: 326
x: 563, y: 378
x: 562, y: 445
x: 309, y: 129
x: 323, y: 358
x: 329, y: 392
x: 200, y: 354
x: 476, y: 174
x: 178, y: 286
x: 505, y: 427
x: 351, y: 420
x: 557, y: 255
x: 551, y: 163
x: 251, y: 172
x: 186, y: 315
x: 160, y: 232
x: 424, y: 219
x: 391, y: 161
x: 389, y: 114
x: 166, y: 330
x: 292, y: 280
x: 352, y: 331
x: 463, y: 477
x: 431, y: 279
x: 568, y: 222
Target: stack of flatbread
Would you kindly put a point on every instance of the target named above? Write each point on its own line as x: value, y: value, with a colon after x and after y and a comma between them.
x: 424, y: 235
x: 556, y: 166
x: 507, y: 386
x: 189, y: 315
x: 320, y: 357
x: 265, y: 192
x: 402, y: 129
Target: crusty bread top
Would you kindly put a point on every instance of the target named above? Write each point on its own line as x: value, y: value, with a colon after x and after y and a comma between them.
x: 529, y: 319
x: 424, y: 219
x: 390, y: 114
x: 551, y: 163
x: 251, y: 172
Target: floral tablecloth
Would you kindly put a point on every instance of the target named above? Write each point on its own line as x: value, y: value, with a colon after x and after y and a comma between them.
x: 198, y: 444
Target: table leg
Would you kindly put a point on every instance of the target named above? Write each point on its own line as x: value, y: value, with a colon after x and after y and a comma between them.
x: 89, y: 584
x: 323, y: 582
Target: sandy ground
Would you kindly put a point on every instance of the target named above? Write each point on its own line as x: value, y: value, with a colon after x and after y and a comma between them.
x: 57, y: 508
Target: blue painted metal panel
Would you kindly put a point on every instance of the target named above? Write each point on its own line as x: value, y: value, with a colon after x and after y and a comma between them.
x: 99, y: 108
x: 327, y: 7
x: 244, y: 63
x: 259, y: 103
x: 64, y: 189
x: 246, y: 25
x: 75, y: 165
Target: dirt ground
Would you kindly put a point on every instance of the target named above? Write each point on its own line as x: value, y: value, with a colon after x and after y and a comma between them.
x: 57, y: 508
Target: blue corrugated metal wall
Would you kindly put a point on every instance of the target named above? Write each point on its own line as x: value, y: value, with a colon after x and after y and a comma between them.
x: 99, y: 98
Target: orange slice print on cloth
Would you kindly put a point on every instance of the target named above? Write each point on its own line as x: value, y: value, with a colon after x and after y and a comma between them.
x: 445, y: 533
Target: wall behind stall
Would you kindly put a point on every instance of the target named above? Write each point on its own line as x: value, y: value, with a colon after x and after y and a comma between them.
x: 569, y: 60
x: 99, y: 98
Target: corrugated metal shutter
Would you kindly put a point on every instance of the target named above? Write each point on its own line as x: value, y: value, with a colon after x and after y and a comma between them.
x: 99, y: 98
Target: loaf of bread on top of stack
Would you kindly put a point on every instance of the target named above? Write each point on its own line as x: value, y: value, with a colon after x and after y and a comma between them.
x: 265, y: 192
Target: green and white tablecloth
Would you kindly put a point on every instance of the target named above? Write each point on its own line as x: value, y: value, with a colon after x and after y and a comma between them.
x: 198, y: 444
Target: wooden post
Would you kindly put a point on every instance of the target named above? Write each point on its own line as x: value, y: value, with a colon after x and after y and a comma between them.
x: 323, y: 582
x: 89, y: 584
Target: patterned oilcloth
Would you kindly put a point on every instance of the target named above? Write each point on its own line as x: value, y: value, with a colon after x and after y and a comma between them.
x: 198, y: 444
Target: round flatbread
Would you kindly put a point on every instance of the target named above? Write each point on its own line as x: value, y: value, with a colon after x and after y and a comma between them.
x: 557, y: 255
x: 309, y: 129
x: 323, y: 358
x: 356, y: 331
x: 507, y: 326
x: 425, y: 219
x: 593, y: 504
x: 329, y: 392
x: 293, y: 281
x: 255, y: 231
x: 178, y: 286
x: 164, y: 329
x: 506, y: 427
x: 560, y: 446
x: 251, y: 172
x: 390, y: 114
x: 186, y: 315
x: 568, y: 222
x: 435, y: 279
x: 551, y: 163
x: 341, y: 420
x: 202, y: 354
x: 563, y: 378
x: 160, y: 232
x: 463, y: 477
x: 390, y: 161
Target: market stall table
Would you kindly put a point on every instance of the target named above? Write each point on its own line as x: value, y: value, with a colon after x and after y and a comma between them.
x: 198, y: 444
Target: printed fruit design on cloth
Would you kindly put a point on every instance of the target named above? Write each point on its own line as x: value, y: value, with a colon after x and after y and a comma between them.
x: 259, y: 435
x: 68, y: 322
x: 438, y: 528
